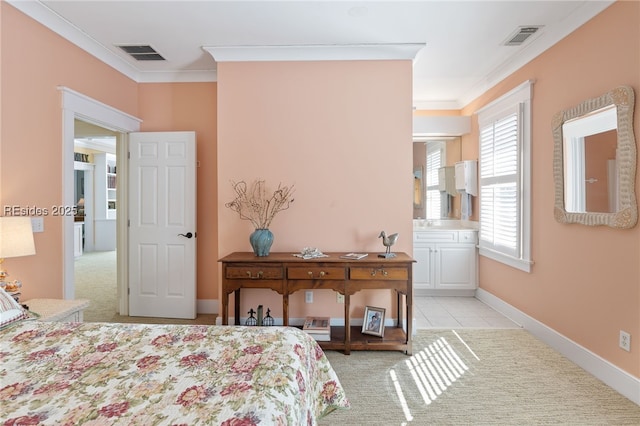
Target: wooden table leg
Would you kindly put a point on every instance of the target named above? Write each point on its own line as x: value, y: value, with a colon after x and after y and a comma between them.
x: 399, y: 308
x: 225, y: 309
x: 285, y: 309
x: 409, y: 301
x: 236, y: 306
x: 347, y: 325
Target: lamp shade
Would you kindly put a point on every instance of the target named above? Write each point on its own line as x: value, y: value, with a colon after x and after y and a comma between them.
x: 16, y: 237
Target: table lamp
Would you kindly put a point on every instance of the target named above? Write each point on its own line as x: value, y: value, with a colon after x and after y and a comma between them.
x: 16, y: 239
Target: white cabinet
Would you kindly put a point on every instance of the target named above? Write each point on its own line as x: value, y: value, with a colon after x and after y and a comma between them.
x: 105, y: 181
x: 446, y: 262
x: 105, y: 201
x: 78, y: 238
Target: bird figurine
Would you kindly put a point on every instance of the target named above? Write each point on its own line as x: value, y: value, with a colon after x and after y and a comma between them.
x: 388, y: 241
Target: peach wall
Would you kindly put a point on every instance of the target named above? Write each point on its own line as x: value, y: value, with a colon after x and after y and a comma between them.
x: 351, y: 164
x: 341, y: 132
x: 585, y: 282
x: 182, y: 107
x: 35, y: 62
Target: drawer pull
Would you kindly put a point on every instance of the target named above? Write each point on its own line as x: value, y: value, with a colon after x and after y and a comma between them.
x: 382, y: 271
x: 257, y: 277
x: 320, y: 274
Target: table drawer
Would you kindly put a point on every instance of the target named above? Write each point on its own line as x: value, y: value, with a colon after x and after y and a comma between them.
x: 382, y: 273
x: 316, y: 273
x: 254, y: 272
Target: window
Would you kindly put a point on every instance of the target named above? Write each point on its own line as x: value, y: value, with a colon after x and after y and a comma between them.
x: 435, y: 159
x: 505, y: 183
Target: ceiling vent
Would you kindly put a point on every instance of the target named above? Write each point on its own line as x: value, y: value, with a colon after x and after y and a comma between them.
x: 520, y: 35
x: 142, y: 52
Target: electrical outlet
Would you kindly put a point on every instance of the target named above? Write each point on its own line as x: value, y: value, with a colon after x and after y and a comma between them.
x: 339, y: 298
x: 308, y: 297
x: 625, y: 341
x: 37, y: 224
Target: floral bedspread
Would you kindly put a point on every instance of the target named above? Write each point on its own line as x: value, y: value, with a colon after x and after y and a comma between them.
x: 134, y: 374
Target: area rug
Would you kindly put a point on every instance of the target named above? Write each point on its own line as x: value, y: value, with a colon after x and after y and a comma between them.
x: 474, y: 377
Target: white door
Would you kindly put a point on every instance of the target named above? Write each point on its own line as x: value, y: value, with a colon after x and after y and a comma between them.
x: 162, y: 224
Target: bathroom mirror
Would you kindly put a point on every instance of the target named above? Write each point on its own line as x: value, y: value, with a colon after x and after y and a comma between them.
x: 431, y: 153
x: 594, y: 163
x: 418, y: 188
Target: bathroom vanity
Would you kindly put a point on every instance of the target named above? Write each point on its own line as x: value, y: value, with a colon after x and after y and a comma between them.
x: 446, y: 258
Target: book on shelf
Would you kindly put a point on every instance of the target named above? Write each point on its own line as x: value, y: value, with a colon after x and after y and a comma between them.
x: 320, y: 337
x: 354, y: 256
x: 318, y: 327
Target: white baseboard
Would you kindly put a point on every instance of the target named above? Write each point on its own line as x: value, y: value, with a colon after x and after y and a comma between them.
x: 207, y: 306
x: 613, y: 376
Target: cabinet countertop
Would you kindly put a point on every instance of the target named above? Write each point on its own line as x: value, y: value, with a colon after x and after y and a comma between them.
x: 421, y: 225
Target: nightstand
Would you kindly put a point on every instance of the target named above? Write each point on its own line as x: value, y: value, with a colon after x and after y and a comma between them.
x: 58, y: 310
x: 15, y: 295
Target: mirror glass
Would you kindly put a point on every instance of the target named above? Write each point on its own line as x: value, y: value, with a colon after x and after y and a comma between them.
x: 417, y: 187
x: 431, y: 155
x: 595, y: 161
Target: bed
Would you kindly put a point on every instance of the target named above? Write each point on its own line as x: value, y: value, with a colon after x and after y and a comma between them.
x: 97, y: 373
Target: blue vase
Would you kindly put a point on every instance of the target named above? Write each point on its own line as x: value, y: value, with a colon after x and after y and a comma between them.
x: 261, y: 240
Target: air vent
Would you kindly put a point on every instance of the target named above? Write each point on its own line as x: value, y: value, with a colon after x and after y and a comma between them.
x: 520, y: 35
x: 142, y: 52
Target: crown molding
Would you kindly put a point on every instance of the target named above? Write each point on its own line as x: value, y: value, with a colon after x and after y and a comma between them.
x: 39, y: 12
x: 187, y: 76
x: 56, y: 23
x: 316, y: 52
x: 538, y: 44
x: 436, y: 105
x: 549, y: 36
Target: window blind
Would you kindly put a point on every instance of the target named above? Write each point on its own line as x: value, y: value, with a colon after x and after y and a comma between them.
x: 435, y: 157
x: 499, y: 184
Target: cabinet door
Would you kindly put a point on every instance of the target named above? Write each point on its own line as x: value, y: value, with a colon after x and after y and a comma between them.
x: 456, y: 267
x: 77, y: 239
x: 423, y: 268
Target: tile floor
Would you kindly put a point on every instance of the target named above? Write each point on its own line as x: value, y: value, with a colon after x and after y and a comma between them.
x: 457, y: 312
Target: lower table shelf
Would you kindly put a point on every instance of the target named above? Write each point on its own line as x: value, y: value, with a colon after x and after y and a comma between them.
x: 394, y: 339
x: 287, y: 274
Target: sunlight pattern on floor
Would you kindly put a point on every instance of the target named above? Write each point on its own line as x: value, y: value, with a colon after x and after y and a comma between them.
x: 434, y: 369
x: 403, y: 400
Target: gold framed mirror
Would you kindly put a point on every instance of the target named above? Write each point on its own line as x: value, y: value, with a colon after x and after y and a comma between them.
x: 595, y: 182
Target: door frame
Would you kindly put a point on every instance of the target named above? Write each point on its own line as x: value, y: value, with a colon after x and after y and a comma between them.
x: 78, y: 106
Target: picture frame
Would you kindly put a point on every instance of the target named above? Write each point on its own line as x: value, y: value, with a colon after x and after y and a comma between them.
x: 373, y: 322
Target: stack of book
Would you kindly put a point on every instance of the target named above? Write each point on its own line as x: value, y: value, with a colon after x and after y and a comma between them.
x: 318, y: 327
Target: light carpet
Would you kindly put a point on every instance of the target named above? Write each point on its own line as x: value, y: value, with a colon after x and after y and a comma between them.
x: 474, y: 377
x: 96, y: 280
x: 454, y: 377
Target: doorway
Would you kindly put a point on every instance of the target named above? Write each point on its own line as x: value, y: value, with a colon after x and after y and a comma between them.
x: 95, y: 237
x: 77, y: 106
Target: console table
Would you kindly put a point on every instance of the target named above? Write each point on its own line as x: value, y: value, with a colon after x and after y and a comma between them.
x: 286, y: 274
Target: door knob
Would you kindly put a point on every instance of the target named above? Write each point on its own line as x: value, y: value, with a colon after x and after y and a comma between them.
x: 187, y: 235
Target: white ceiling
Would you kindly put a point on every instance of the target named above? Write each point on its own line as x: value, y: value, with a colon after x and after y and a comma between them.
x: 462, y: 52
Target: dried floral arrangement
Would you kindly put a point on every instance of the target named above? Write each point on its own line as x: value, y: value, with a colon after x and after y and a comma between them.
x: 253, y: 204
